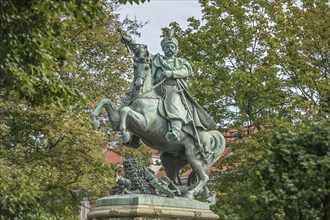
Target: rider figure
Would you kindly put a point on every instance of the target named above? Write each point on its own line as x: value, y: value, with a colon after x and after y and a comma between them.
x: 179, y: 106
x: 172, y: 69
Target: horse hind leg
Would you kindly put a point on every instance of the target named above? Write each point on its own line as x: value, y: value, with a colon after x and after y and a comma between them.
x: 198, y: 167
x: 199, y: 176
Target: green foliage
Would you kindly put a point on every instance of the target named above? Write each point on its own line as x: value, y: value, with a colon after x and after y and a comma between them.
x: 58, y: 154
x: 52, y: 156
x: 239, y: 187
x: 300, y: 45
x: 19, y: 195
x: 296, y: 179
x: 258, y: 61
x: 231, y: 64
x: 32, y: 50
x: 281, y: 174
x: 132, y: 1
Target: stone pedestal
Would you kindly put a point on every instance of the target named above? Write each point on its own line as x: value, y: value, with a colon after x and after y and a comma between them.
x: 149, y: 207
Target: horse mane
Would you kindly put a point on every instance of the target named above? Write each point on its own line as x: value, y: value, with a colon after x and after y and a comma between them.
x: 143, y: 57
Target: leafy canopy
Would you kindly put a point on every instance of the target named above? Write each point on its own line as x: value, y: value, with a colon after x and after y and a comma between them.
x: 279, y: 174
x: 265, y: 64
x: 51, y: 157
x: 257, y: 61
x: 33, y: 51
x: 132, y: 1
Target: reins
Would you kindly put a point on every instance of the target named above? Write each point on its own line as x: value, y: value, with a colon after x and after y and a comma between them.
x: 154, y: 87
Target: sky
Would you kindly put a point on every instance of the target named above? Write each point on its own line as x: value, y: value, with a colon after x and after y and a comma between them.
x: 159, y: 14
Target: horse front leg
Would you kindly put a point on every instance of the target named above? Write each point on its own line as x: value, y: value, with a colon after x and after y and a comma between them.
x: 198, y: 167
x: 112, y: 112
x: 137, y: 119
x: 126, y: 136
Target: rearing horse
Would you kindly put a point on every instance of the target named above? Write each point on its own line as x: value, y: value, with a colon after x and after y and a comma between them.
x: 142, y: 116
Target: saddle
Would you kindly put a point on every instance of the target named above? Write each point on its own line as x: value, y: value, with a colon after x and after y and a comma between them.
x: 187, y: 128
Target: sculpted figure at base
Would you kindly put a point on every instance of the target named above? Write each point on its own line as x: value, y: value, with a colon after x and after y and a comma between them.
x: 159, y: 110
x: 141, y: 180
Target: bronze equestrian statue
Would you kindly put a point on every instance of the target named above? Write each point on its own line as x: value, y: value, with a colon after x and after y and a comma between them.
x: 160, y: 111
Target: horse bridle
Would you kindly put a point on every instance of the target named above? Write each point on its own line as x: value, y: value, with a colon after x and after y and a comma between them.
x: 140, y: 75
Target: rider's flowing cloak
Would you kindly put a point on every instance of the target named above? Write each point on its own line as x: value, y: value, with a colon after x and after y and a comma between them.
x: 200, y: 117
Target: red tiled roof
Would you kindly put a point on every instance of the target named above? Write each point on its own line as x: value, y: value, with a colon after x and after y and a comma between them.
x: 154, y: 152
x: 212, y: 169
x: 226, y: 152
x: 187, y: 172
x: 113, y: 158
x: 160, y: 174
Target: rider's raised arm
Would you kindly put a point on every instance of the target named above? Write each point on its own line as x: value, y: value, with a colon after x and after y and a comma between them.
x: 128, y: 41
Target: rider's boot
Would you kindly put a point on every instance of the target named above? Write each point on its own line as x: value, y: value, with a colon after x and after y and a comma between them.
x: 174, y: 134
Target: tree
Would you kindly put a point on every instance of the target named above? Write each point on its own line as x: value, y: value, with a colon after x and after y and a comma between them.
x: 32, y: 50
x: 132, y: 1
x: 266, y: 63
x: 256, y: 61
x: 55, y: 152
x: 237, y: 80
x: 239, y: 187
x: 299, y: 44
x: 19, y: 200
x: 296, y: 178
x: 282, y: 174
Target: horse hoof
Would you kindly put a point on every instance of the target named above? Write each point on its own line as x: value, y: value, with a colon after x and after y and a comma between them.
x: 96, y: 124
x: 204, y: 193
x: 126, y: 137
x: 189, y: 195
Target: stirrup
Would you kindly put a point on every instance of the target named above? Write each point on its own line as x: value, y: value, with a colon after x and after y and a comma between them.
x: 173, y: 136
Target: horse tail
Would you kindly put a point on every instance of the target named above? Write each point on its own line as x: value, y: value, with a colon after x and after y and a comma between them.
x: 217, y: 146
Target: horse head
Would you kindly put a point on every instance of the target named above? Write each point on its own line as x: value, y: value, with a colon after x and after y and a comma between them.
x: 142, y: 70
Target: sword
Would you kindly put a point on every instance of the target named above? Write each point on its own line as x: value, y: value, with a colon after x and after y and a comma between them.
x: 200, y: 147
